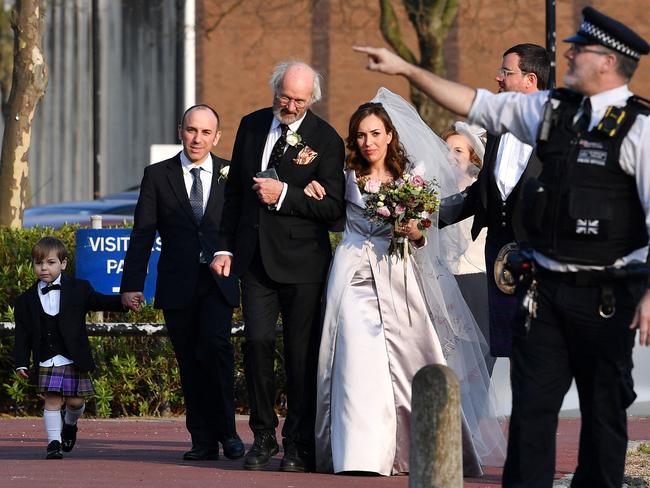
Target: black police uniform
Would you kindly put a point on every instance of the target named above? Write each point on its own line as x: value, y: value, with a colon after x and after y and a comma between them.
x: 582, y: 210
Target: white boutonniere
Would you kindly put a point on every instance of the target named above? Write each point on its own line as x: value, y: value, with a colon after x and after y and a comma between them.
x: 223, y: 173
x: 294, y: 139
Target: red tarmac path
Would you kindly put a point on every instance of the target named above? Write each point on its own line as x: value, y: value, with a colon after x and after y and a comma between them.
x: 146, y: 453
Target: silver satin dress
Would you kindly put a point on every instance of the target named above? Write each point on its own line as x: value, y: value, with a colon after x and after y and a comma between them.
x: 376, y: 335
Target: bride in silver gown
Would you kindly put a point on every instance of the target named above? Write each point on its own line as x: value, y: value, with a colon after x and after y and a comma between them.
x: 385, y: 320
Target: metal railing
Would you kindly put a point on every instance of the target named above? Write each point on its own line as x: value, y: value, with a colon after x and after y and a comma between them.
x: 123, y: 329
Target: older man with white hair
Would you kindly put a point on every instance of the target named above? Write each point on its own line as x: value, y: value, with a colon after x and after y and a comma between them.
x: 275, y: 239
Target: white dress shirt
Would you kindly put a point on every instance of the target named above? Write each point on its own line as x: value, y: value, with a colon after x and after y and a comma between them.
x: 522, y: 114
x: 274, y: 134
x: 511, y: 161
x: 50, y: 303
x: 275, y: 131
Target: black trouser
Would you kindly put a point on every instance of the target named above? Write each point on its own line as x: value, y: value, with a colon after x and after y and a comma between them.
x: 262, y: 301
x: 570, y: 340
x: 200, y: 334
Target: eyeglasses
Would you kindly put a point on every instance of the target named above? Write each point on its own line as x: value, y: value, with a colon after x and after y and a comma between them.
x: 505, y: 72
x: 581, y: 48
x: 284, y: 100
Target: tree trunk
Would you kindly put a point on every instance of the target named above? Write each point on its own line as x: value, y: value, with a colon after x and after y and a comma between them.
x: 431, y: 20
x: 6, y: 57
x: 28, y: 87
x: 433, y: 114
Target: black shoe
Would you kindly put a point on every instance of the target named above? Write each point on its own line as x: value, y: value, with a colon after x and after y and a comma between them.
x: 68, y: 437
x: 293, y: 461
x: 54, y: 450
x: 233, y: 447
x: 264, y: 447
x: 201, y: 454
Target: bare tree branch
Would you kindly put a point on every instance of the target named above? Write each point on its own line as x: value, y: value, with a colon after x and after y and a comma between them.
x: 212, y: 26
x: 390, y: 29
x: 431, y: 20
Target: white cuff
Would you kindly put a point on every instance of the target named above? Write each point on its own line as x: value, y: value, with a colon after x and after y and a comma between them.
x: 277, y: 206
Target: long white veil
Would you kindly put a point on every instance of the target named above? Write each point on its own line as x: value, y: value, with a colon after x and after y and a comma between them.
x: 462, y: 342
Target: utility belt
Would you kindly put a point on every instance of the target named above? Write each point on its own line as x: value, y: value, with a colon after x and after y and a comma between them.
x: 637, y: 271
x: 521, y: 265
x: 526, y: 274
x: 605, y: 279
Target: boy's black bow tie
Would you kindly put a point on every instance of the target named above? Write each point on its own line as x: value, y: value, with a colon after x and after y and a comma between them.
x: 48, y: 288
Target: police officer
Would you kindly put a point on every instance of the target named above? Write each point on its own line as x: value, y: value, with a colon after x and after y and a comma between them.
x: 589, y: 219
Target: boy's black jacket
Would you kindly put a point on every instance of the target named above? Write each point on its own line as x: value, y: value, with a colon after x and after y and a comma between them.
x: 77, y: 298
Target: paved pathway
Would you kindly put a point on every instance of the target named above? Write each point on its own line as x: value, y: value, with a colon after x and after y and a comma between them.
x: 146, y: 453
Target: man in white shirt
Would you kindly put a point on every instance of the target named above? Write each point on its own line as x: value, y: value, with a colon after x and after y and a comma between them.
x: 588, y: 220
x: 492, y: 197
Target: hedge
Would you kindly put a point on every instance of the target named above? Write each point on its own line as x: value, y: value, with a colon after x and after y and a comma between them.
x: 135, y: 376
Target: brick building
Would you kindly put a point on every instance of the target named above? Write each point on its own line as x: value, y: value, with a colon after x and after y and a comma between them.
x: 238, y: 42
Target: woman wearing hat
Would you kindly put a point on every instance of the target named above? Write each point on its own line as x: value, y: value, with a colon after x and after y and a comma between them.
x: 467, y: 146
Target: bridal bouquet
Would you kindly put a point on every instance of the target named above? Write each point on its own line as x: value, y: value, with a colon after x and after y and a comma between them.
x: 397, y: 202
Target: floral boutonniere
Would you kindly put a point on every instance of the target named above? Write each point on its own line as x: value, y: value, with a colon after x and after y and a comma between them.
x: 223, y: 173
x: 294, y: 139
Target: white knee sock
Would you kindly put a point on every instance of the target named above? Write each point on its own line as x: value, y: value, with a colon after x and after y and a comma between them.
x: 53, y: 424
x: 72, y: 415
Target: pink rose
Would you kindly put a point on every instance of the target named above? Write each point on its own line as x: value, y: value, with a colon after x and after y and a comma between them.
x: 372, y: 185
x: 400, y: 209
x: 383, y: 211
x: 417, y: 180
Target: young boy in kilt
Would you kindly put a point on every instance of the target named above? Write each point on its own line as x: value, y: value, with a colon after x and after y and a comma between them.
x: 51, y: 327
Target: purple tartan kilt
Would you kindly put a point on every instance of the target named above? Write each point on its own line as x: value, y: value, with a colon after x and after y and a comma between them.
x: 503, y: 308
x: 66, y: 380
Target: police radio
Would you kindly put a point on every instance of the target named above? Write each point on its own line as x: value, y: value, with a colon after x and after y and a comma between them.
x: 547, y: 122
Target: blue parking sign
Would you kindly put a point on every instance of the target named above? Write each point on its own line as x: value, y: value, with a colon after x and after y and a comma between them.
x: 100, y: 259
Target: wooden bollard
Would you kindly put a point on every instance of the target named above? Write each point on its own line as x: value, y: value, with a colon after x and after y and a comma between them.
x: 436, y: 453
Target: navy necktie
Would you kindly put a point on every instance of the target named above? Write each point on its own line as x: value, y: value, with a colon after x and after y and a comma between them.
x: 48, y: 288
x: 196, y: 194
x: 278, y: 148
x: 582, y: 124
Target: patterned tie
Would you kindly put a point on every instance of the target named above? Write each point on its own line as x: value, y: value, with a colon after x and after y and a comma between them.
x: 48, y: 288
x: 278, y: 148
x: 582, y: 124
x: 196, y: 194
